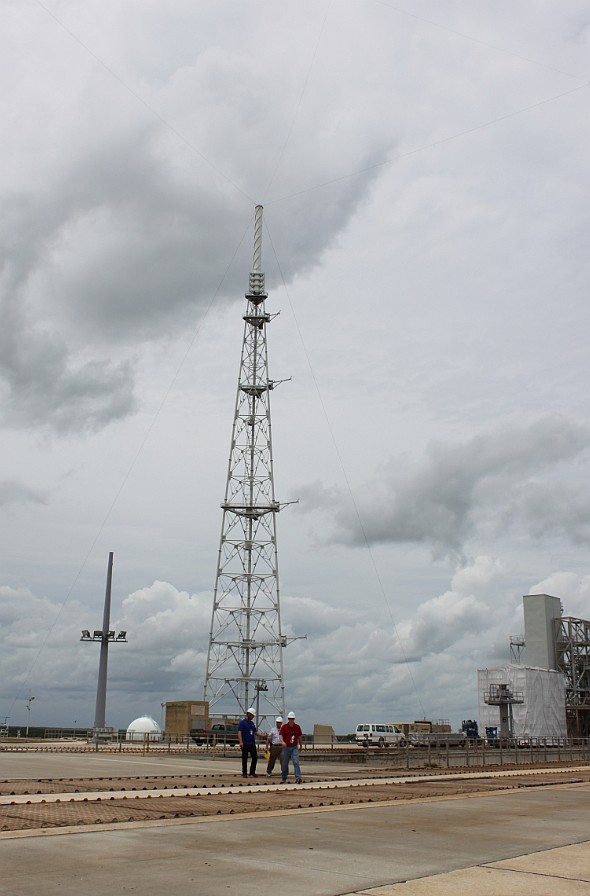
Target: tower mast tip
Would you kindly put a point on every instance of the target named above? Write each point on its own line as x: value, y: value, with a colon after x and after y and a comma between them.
x: 257, y: 277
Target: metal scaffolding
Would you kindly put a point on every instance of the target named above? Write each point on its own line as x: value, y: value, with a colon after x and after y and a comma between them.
x: 516, y: 648
x: 245, y: 655
x: 572, y: 643
x: 504, y: 697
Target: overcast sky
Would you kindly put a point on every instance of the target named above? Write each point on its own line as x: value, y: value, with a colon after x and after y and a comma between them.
x: 424, y: 171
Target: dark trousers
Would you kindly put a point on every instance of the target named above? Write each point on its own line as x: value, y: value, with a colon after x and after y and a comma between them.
x: 249, y: 750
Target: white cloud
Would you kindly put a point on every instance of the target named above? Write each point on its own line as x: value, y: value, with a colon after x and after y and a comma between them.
x: 129, y: 234
x: 351, y: 665
x: 14, y: 492
x: 434, y: 320
x: 573, y: 589
x: 443, y: 498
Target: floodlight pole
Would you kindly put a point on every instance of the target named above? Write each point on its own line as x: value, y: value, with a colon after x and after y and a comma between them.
x: 101, y: 690
x: 104, y: 637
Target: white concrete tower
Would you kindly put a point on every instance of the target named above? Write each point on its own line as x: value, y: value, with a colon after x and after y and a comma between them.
x: 540, y: 633
x: 245, y: 656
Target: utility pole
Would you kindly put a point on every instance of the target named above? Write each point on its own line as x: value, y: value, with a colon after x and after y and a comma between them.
x: 245, y: 655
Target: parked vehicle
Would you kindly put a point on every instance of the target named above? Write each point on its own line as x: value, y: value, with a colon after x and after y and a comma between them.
x: 199, y: 735
x: 471, y: 728
x: 492, y: 735
x: 225, y: 732
x: 379, y: 734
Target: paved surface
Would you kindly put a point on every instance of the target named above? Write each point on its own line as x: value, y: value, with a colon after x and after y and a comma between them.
x: 556, y: 872
x: 515, y: 842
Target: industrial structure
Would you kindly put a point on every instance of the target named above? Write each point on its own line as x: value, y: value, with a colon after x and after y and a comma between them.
x: 555, y: 641
x: 554, y: 683
x: 572, y: 647
x: 504, y: 697
x: 144, y: 730
x: 184, y: 718
x: 522, y: 701
x: 245, y: 654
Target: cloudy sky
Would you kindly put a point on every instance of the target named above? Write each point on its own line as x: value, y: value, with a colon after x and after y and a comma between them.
x: 424, y: 171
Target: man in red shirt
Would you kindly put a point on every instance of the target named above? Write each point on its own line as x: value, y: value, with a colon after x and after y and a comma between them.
x: 291, y: 735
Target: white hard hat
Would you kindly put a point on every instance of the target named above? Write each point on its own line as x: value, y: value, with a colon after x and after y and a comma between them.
x: 251, y: 711
x: 291, y: 715
x: 279, y: 719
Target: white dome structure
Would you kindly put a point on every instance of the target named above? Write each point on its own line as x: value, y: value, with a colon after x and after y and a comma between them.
x: 143, y: 726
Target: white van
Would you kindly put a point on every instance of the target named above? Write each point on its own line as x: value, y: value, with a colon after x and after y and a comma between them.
x: 379, y: 733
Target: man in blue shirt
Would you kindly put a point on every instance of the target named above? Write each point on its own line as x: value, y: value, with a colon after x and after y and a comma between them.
x: 247, y: 741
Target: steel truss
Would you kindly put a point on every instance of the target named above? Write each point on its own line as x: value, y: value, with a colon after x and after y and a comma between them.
x: 245, y: 655
x: 572, y: 641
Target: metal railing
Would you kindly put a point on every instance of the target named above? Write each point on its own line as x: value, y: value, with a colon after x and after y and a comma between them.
x: 437, y: 753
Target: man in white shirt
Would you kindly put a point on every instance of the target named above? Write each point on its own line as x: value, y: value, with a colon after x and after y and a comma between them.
x: 274, y: 745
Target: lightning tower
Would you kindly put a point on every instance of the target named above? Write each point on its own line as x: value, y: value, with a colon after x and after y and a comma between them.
x: 245, y: 655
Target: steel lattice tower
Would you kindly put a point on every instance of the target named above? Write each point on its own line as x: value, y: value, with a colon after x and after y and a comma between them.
x: 245, y: 656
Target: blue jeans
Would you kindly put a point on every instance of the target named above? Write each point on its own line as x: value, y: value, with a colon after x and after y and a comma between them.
x: 288, y: 754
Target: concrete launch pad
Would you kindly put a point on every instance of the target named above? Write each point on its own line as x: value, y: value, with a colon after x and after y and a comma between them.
x: 531, y: 840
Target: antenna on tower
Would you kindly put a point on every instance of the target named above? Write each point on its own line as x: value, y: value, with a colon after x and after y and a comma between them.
x: 256, y: 275
x: 245, y: 655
